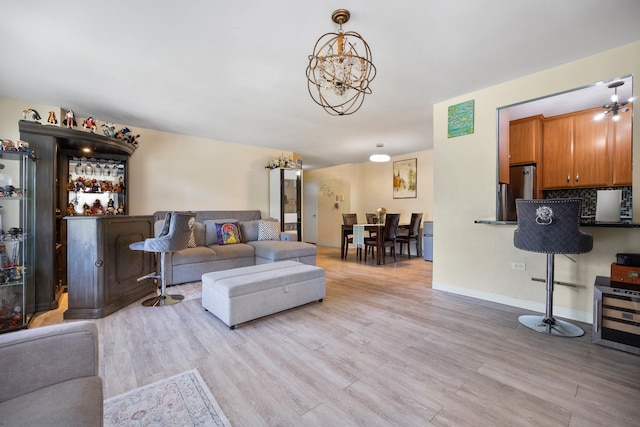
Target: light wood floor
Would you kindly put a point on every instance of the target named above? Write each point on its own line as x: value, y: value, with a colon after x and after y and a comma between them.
x: 383, y: 349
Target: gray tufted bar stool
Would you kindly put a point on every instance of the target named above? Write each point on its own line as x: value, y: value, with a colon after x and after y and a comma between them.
x: 173, y: 237
x: 550, y: 226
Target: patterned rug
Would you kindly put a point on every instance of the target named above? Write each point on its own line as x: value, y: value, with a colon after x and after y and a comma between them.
x: 182, y: 400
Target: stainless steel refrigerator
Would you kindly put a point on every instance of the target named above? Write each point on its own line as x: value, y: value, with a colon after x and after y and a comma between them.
x: 522, y: 185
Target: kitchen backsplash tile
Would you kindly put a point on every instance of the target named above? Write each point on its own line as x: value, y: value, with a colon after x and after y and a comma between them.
x: 590, y: 196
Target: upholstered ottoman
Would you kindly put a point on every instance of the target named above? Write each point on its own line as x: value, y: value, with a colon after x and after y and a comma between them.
x: 242, y: 294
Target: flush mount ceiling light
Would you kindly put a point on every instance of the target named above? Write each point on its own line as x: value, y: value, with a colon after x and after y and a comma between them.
x: 615, y: 107
x: 340, y: 69
x: 379, y: 157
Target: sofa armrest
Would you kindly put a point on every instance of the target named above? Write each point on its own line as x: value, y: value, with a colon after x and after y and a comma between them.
x: 36, y: 358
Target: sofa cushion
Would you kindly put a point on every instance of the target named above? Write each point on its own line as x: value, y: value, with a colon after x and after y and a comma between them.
x: 228, y: 233
x: 193, y: 255
x: 268, y: 230
x: 77, y: 402
x: 277, y: 250
x: 211, y: 234
x: 239, y: 250
x: 249, y: 230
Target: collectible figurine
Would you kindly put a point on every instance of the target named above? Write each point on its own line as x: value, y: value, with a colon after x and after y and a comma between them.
x: 109, y: 129
x: 33, y: 114
x: 71, y: 210
x: 89, y: 124
x: 97, y: 208
x: 70, y: 120
x: 120, y: 210
x: 86, y: 209
x: 52, y: 118
x: 126, y: 135
x: 111, y: 207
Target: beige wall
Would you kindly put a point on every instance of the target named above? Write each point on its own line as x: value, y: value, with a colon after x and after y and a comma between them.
x: 366, y: 187
x: 475, y: 259
x: 178, y: 172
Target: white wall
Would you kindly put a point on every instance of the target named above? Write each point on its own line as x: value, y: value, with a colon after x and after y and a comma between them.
x: 366, y: 187
x: 475, y: 259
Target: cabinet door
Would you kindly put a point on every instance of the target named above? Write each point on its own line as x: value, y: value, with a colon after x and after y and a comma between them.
x: 622, y: 151
x: 590, y: 151
x: 524, y: 136
x: 557, y: 153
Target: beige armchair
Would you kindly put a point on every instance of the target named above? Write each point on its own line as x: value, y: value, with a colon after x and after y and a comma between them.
x: 49, y: 376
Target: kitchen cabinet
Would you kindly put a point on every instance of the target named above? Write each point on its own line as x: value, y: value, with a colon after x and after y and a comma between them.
x: 285, y: 199
x: 621, y: 149
x: 525, y: 139
x: 575, y: 151
x: 17, y: 213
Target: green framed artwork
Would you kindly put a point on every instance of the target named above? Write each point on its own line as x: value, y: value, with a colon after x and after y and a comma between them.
x: 460, y: 119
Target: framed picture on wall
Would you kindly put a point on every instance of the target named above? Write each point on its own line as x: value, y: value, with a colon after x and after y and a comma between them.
x: 405, y: 179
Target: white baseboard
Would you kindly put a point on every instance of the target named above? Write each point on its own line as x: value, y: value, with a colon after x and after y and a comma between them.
x: 562, y: 312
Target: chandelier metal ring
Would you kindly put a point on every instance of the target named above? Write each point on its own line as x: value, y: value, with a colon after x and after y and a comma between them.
x: 339, y: 71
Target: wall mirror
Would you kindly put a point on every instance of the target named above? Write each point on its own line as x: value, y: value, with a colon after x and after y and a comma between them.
x: 554, y: 146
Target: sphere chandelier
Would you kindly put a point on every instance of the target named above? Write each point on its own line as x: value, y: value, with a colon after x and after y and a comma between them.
x: 616, y: 106
x: 340, y: 69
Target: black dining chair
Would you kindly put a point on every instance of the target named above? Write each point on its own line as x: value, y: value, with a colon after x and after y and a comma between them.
x: 348, y: 219
x: 389, y: 235
x: 550, y: 226
x: 413, y: 234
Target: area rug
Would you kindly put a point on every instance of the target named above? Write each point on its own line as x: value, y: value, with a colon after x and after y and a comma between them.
x: 182, y: 400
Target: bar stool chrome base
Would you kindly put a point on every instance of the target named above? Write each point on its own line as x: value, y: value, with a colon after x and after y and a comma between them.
x: 162, y: 300
x: 551, y: 326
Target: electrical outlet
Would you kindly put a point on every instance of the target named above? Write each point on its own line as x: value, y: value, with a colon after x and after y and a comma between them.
x: 519, y: 266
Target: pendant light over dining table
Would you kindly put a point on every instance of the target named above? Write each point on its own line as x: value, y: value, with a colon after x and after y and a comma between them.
x: 340, y: 69
x: 616, y: 106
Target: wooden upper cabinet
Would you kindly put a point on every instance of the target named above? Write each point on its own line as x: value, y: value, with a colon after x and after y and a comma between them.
x: 557, y: 152
x: 525, y: 137
x: 622, y: 149
x: 590, y: 151
x: 578, y: 152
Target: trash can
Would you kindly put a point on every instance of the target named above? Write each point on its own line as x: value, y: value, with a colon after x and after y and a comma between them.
x: 427, y: 240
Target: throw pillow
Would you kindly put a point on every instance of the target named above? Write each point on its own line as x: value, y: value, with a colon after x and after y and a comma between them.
x: 268, y: 230
x: 192, y: 238
x: 228, y: 233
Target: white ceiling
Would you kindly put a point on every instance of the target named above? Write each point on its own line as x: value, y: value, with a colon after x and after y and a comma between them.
x: 235, y: 70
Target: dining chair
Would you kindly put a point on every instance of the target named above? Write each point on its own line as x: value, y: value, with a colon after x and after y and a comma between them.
x: 389, y: 235
x: 550, y: 226
x: 413, y: 234
x: 372, y: 218
x: 348, y: 219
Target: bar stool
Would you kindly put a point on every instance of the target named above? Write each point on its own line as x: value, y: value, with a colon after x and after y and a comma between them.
x: 173, y: 237
x: 550, y: 226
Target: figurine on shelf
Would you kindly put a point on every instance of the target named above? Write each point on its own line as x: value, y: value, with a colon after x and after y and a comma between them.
x: 8, y: 190
x: 70, y: 120
x: 120, y: 210
x: 16, y: 316
x: 86, y: 209
x: 109, y: 129
x: 111, y: 207
x: 97, y: 208
x: 52, y: 120
x: 90, y: 124
x: 33, y: 114
x: 8, y: 145
x: 126, y: 135
x: 71, y: 209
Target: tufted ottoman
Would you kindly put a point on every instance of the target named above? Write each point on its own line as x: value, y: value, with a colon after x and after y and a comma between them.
x: 242, y: 294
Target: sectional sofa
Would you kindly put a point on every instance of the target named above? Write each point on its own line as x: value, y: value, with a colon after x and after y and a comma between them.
x: 259, y: 243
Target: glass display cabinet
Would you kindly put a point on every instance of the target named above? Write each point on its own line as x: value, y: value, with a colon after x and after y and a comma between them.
x: 95, y: 186
x: 285, y: 200
x: 17, y: 222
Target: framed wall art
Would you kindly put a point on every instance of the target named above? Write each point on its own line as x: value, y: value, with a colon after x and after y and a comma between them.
x: 460, y: 119
x: 405, y: 179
